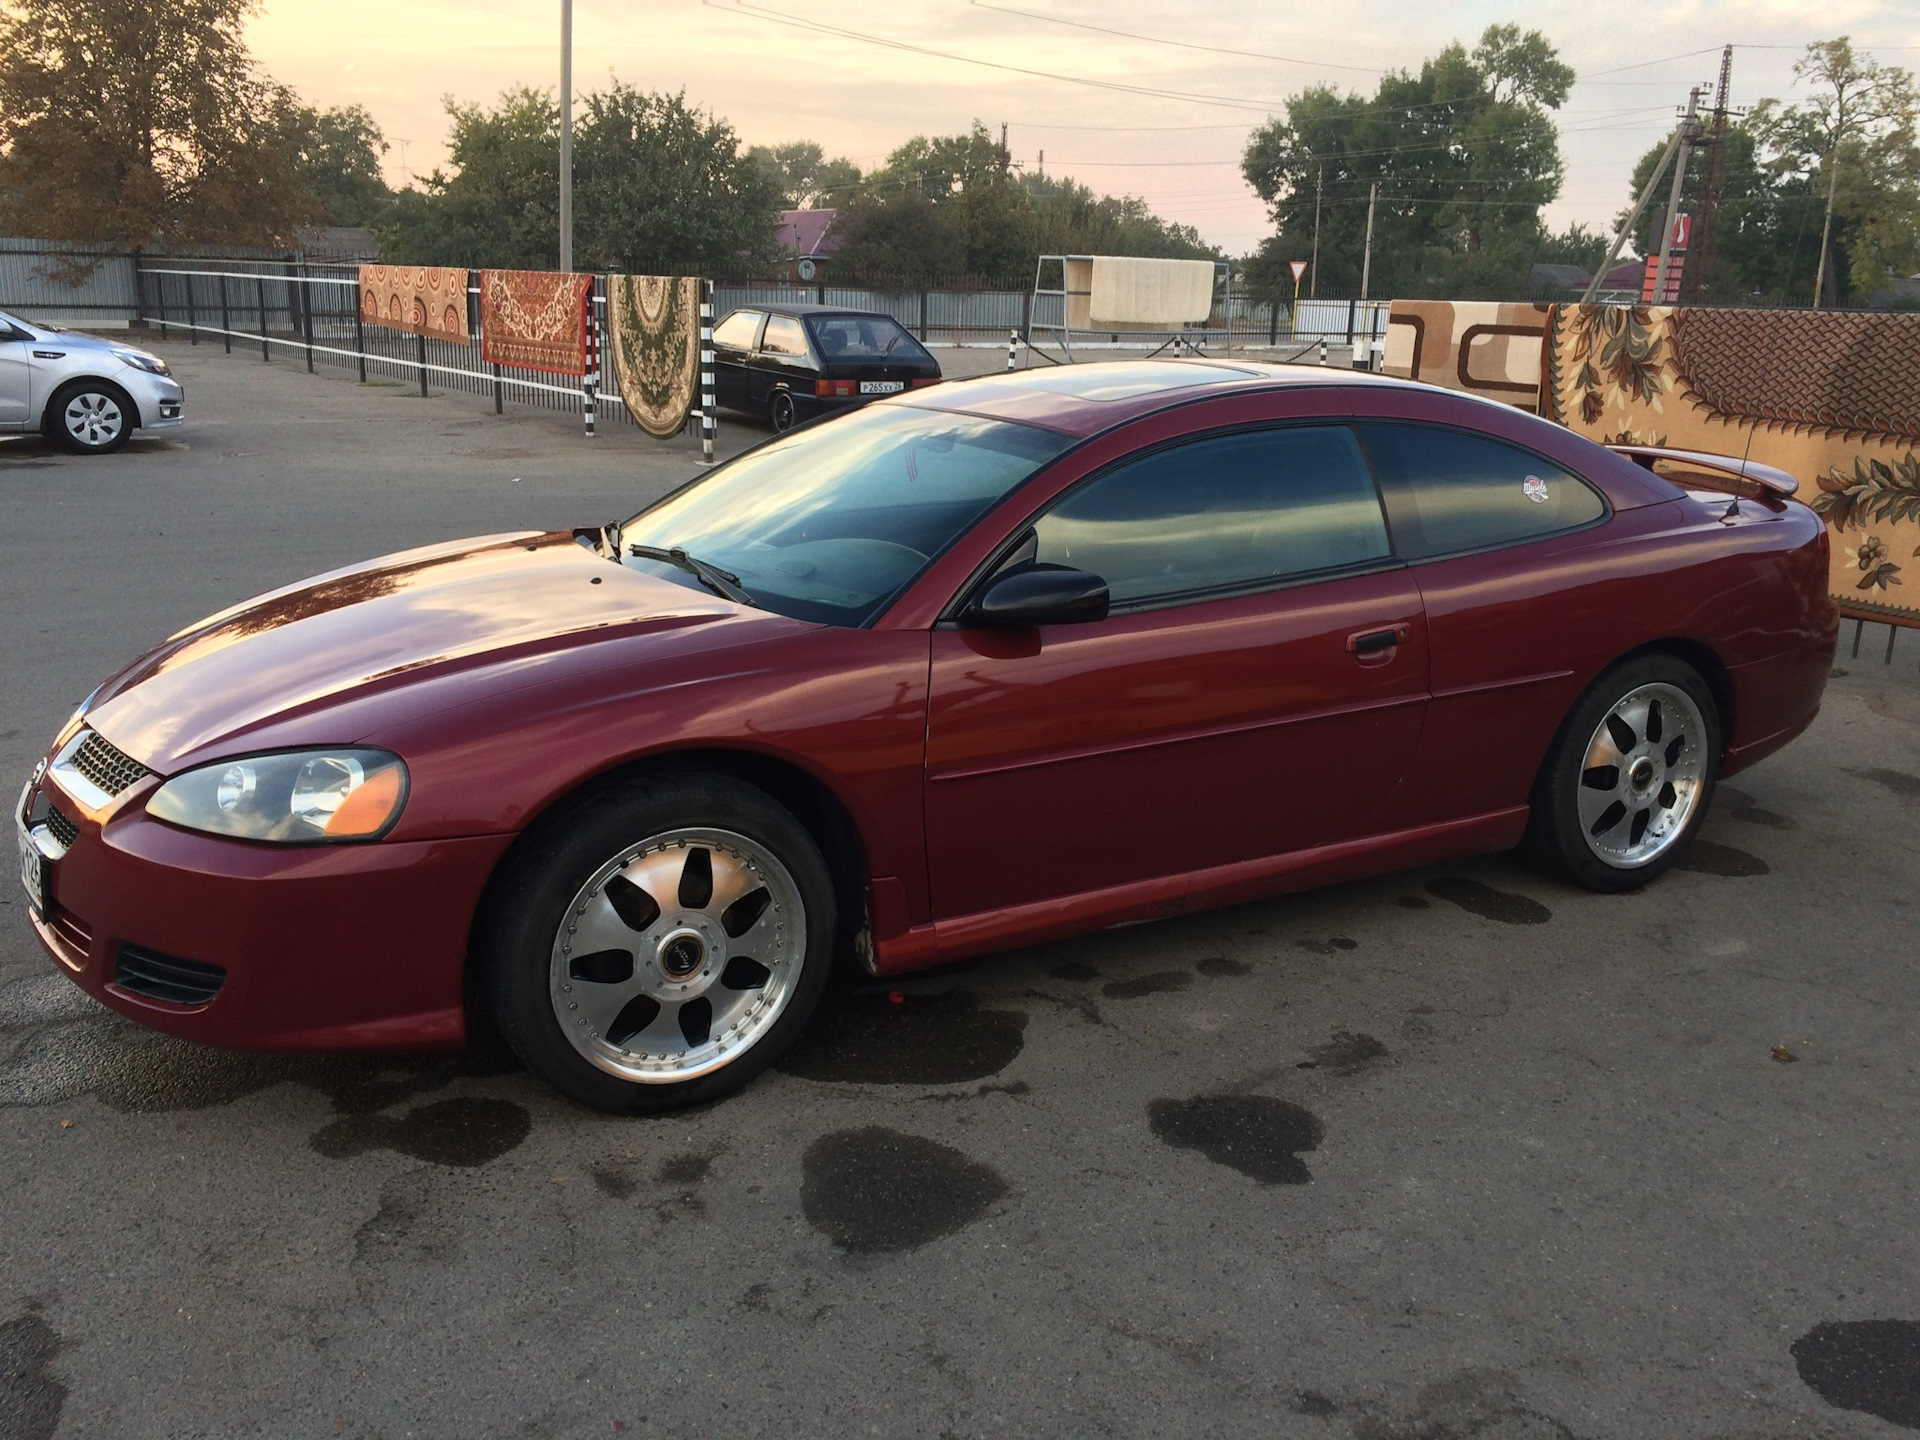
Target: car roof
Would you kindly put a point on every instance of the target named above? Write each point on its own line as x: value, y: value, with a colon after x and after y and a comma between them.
x: 1085, y: 399
x: 800, y: 309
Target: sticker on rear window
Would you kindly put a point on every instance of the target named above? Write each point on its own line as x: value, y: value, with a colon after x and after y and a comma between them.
x: 1536, y: 489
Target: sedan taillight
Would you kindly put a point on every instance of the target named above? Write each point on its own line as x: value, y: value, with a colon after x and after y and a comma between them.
x: 829, y: 389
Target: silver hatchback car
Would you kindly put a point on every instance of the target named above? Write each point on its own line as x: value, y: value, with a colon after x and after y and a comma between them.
x: 87, y: 392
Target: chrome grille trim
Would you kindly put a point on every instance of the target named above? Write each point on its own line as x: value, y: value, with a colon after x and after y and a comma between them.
x: 61, y: 828
x: 108, y: 768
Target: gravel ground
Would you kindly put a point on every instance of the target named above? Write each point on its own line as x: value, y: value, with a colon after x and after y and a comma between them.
x: 1457, y: 1152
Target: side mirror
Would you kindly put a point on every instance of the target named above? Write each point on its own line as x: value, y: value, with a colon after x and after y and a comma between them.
x: 1040, y: 595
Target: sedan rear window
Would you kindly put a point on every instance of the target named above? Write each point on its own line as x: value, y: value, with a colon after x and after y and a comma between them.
x: 830, y: 522
x: 863, y: 337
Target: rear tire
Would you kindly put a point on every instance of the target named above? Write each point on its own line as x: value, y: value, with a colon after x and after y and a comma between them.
x: 91, y: 417
x: 780, y: 412
x: 657, y: 942
x: 1626, y: 786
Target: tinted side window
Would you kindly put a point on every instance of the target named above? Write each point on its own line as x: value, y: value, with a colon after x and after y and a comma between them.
x: 1449, y: 490
x: 737, y: 331
x: 1226, y: 511
x: 784, y: 336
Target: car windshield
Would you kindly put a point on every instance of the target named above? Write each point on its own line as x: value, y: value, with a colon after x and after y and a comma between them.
x: 830, y: 522
x: 863, y: 337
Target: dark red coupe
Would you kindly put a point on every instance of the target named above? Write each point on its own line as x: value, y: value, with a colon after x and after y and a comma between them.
x: 997, y: 661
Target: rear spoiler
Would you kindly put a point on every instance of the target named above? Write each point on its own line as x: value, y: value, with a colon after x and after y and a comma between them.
x: 1779, y: 482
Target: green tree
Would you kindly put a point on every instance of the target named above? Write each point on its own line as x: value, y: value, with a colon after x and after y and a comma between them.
x: 1780, y: 165
x: 501, y: 205
x: 662, y: 189
x: 141, y: 124
x: 336, y: 155
x: 804, y: 177
x: 1464, y: 153
x: 1070, y: 219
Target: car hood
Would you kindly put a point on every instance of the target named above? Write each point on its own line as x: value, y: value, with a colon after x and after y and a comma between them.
x: 496, y: 600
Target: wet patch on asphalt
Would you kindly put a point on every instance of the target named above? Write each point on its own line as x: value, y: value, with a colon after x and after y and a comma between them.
x: 1261, y: 1137
x: 1872, y: 1366
x: 1703, y: 857
x: 877, y: 1191
x: 1744, y: 808
x: 614, y: 1179
x: 1161, y: 982
x: 406, y: 1227
x: 1469, y: 1405
x: 1347, y: 1053
x: 465, y: 1132
x: 1896, y: 782
x: 866, y: 1039
x: 1331, y: 945
x: 1414, y: 902
x: 1073, y: 970
x: 1487, y: 902
x: 1221, y: 967
x: 31, y: 1396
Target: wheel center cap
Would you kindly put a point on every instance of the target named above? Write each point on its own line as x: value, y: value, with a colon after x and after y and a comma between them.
x: 1641, y: 775
x: 681, y: 953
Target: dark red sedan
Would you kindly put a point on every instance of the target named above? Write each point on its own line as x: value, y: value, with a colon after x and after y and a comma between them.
x: 990, y: 663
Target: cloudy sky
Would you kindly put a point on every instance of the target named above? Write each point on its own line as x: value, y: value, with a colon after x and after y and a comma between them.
x: 1131, y: 113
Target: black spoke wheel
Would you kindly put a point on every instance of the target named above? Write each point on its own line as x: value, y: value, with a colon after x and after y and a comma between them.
x: 658, y: 942
x: 780, y: 412
x: 1627, y: 782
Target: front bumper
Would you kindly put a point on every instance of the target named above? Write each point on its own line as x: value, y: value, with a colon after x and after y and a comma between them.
x: 342, y: 947
x: 162, y: 401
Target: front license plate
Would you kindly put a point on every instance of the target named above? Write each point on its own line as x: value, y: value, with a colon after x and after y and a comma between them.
x: 882, y: 387
x: 33, y: 869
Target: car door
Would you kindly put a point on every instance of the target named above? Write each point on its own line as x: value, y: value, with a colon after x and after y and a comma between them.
x: 734, y: 341
x: 1520, y: 605
x: 784, y: 361
x: 15, y: 379
x: 1256, y: 689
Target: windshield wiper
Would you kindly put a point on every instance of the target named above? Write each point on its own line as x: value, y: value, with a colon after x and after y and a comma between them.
x: 723, y: 583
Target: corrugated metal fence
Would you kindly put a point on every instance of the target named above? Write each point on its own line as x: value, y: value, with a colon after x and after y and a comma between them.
x: 67, y: 284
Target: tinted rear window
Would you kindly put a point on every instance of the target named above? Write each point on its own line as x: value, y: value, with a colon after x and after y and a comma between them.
x: 863, y: 337
x: 1451, y: 490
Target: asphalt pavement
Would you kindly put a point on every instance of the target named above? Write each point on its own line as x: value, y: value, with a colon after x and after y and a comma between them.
x: 1458, y: 1152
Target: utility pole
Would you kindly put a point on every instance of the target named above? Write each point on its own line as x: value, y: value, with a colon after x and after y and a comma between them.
x: 566, y: 135
x: 1633, y: 219
x: 1041, y: 168
x: 1698, y: 282
x: 1673, y: 198
x: 1006, y: 155
x: 1366, y: 261
x: 1313, y: 271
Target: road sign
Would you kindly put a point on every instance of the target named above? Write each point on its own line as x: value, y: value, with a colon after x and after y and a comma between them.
x: 1299, y: 268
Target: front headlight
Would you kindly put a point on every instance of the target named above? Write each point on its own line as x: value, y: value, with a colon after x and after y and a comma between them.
x: 303, y: 797
x: 140, y: 360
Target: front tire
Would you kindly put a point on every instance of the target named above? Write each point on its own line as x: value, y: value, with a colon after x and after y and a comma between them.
x: 1626, y: 786
x: 658, y: 942
x: 92, y: 417
x: 780, y: 412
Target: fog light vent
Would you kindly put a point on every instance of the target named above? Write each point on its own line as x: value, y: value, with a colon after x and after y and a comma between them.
x: 166, y: 977
x: 61, y: 828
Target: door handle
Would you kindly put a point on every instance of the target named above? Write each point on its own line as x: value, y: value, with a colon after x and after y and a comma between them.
x: 1377, y: 646
x: 1373, y: 644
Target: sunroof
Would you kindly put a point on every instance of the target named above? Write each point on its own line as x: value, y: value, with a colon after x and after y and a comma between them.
x: 1123, y: 381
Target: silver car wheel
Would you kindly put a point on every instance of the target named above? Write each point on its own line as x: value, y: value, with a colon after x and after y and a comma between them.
x: 94, y: 418
x: 1642, y: 777
x: 677, y: 955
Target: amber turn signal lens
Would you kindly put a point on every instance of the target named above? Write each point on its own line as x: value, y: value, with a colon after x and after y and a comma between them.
x: 369, y: 807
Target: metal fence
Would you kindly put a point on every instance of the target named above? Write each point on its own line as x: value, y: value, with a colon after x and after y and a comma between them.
x: 311, y: 314
x: 62, y: 284
x: 986, y: 316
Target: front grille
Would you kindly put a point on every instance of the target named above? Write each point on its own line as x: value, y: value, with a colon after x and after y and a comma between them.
x: 166, y: 977
x: 106, y: 767
x: 60, y: 827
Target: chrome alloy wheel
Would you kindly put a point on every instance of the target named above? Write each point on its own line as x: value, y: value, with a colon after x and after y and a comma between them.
x: 1642, y: 776
x: 94, y: 418
x: 678, y: 954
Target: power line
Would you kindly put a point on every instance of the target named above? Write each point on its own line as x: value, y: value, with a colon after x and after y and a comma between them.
x: 1177, y: 44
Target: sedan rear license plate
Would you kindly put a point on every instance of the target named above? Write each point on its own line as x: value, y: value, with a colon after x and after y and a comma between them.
x: 33, y: 869
x: 881, y: 387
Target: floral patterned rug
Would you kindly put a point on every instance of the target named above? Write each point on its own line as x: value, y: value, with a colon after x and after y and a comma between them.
x: 654, y: 332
